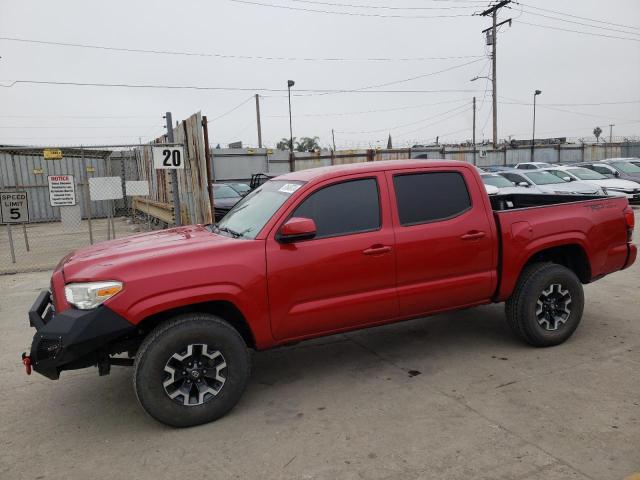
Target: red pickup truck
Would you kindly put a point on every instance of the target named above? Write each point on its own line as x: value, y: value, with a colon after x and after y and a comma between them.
x: 313, y: 253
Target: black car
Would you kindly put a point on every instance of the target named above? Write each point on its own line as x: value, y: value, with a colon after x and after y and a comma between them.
x: 241, y: 188
x: 224, y: 198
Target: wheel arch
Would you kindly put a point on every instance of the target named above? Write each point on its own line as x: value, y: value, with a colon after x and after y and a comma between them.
x: 570, y: 255
x: 224, y: 309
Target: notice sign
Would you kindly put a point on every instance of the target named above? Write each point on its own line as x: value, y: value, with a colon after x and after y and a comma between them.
x: 15, y: 208
x: 62, y: 190
x: 105, y: 188
x: 168, y: 158
x: 52, y: 154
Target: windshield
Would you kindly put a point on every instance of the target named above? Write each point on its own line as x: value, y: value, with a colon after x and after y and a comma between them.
x: 250, y: 214
x: 241, y: 187
x: 496, y: 181
x: 224, y: 191
x: 544, y: 178
x: 626, y: 167
x: 586, y: 174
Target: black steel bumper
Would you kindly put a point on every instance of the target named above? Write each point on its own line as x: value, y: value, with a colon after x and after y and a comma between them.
x: 74, y: 338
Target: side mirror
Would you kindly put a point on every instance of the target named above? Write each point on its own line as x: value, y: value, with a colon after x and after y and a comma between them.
x: 567, y: 179
x: 616, y: 173
x: 296, y: 229
x: 492, y: 190
x: 523, y: 184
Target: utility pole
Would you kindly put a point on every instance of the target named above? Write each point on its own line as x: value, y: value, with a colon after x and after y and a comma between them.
x: 258, y: 119
x: 177, y: 212
x: 474, y: 131
x: 333, y: 139
x: 611, y: 125
x: 493, y: 11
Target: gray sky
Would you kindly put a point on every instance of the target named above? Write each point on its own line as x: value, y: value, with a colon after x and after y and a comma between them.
x: 570, y: 68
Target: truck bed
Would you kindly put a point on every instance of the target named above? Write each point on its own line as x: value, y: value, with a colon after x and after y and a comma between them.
x: 590, y: 230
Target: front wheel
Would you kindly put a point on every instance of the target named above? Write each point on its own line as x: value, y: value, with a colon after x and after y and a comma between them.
x: 546, y: 305
x: 191, y: 370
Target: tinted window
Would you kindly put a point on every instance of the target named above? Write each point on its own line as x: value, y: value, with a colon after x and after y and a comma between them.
x: 515, y: 178
x: 602, y: 170
x: 426, y: 197
x: 343, y: 208
x: 626, y: 167
x: 224, y: 191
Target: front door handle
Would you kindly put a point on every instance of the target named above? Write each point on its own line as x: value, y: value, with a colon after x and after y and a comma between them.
x: 377, y: 250
x: 473, y: 235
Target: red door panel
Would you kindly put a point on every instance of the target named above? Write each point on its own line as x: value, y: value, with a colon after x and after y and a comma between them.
x: 334, y: 283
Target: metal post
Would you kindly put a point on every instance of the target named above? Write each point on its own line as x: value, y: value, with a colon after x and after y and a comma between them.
x: 87, y: 200
x: 333, y: 139
x: 533, y: 136
x: 494, y: 80
x: 209, y: 159
x: 177, y: 212
x: 258, y: 120
x: 113, y: 221
x: 15, y: 179
x: 11, y: 247
x: 474, y: 131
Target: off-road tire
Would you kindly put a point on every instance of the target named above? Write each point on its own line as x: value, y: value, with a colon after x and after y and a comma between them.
x: 174, y: 336
x: 521, y: 308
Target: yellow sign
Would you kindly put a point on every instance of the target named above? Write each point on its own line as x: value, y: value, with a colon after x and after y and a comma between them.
x: 91, y: 169
x: 52, y: 154
x: 38, y: 171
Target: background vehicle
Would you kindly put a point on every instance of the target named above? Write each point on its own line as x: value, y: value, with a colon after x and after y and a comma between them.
x: 504, y: 185
x: 240, y: 187
x: 615, y: 168
x: 549, y: 183
x: 313, y: 253
x: 225, y: 198
x: 611, y: 186
x: 532, y: 165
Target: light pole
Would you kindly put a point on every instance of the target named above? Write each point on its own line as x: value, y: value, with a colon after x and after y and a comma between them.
x: 533, y: 136
x: 290, y: 83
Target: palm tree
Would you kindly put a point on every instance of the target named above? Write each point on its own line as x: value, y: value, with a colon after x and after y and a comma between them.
x: 597, y: 131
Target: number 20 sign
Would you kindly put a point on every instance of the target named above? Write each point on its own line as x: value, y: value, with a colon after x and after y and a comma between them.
x: 168, y: 158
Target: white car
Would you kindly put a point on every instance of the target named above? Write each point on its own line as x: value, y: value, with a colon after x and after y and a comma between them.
x: 547, y: 182
x: 504, y: 186
x: 532, y: 165
x: 611, y: 186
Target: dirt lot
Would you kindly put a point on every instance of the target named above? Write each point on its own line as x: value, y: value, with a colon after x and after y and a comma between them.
x: 448, y: 397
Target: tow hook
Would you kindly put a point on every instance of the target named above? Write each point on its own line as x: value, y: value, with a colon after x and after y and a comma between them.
x: 26, y: 361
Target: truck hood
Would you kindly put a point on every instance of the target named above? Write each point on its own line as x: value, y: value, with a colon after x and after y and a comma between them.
x: 93, y: 262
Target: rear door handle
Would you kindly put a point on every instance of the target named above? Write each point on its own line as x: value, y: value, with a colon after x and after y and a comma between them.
x: 473, y: 235
x: 377, y: 250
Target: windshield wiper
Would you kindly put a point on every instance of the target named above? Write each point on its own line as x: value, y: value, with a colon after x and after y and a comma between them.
x: 231, y: 232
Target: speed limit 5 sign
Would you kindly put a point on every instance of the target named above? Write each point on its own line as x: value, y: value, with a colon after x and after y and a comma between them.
x: 168, y: 158
x: 14, y: 207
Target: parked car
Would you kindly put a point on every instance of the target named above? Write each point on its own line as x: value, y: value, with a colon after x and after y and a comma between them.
x: 496, y: 168
x: 313, y: 253
x: 504, y: 185
x: 532, y: 165
x: 549, y: 183
x: 240, y: 187
x: 615, y: 168
x: 224, y: 198
x: 611, y: 186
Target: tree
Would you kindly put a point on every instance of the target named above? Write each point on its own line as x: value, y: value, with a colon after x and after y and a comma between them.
x: 597, y: 131
x: 307, y: 144
x: 284, y: 144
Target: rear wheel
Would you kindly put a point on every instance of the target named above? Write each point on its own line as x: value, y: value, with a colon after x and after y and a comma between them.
x: 546, y: 306
x: 191, y: 370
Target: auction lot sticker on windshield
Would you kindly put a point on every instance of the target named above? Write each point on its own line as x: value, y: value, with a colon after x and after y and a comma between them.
x: 289, y: 187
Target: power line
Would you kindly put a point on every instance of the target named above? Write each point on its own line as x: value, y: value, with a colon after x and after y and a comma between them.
x: 351, y: 14
x: 579, y: 23
x: 228, y: 56
x: 75, y: 126
x: 229, y: 89
x: 383, y: 7
x: 80, y: 116
x: 625, y: 102
x: 577, y: 16
x: 578, y: 31
x: 404, y: 124
x: 231, y: 111
x: 345, y: 114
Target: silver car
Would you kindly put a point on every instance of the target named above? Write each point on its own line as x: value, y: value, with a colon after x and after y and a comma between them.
x: 547, y: 182
x: 505, y: 186
x: 611, y: 186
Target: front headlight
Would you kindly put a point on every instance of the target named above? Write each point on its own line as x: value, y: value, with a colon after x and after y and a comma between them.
x: 86, y: 296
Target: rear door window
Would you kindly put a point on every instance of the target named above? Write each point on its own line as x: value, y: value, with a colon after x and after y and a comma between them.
x: 429, y: 197
x: 343, y: 208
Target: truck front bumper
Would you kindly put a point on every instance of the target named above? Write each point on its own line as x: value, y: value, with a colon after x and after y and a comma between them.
x: 73, y: 338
